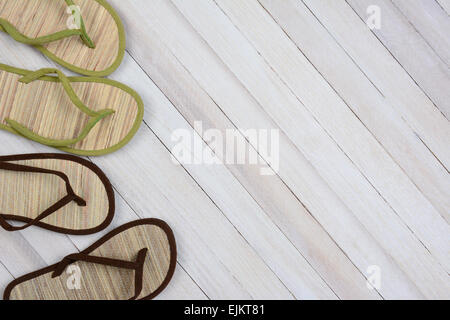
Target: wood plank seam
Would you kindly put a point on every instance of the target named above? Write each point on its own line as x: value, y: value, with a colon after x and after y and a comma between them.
x: 278, y: 227
x: 226, y: 217
x: 232, y: 174
x: 403, y: 67
x: 355, y: 114
x: 330, y: 136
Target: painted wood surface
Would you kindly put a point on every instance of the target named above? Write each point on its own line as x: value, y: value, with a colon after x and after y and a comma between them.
x: 363, y: 138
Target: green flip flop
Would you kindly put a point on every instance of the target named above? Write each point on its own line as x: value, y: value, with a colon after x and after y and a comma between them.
x: 79, y: 115
x: 85, y: 36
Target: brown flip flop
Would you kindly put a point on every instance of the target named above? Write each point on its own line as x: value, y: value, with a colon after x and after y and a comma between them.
x: 58, y: 192
x: 133, y: 262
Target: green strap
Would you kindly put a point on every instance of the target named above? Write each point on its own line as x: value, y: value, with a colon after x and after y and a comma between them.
x: 95, y: 115
x: 7, y: 27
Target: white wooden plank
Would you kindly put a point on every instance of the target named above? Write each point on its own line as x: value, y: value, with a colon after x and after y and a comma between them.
x: 431, y: 22
x: 182, y: 287
x: 370, y: 107
x: 388, y: 76
x: 232, y: 199
x: 245, y: 62
x: 219, y: 82
x: 17, y: 254
x: 445, y: 5
x: 411, y: 50
x: 270, y: 191
x: 344, y: 127
x: 191, y: 255
x: 5, y: 278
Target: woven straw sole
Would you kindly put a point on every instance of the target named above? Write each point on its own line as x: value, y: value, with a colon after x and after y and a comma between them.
x: 24, y: 195
x: 44, y: 107
x: 36, y: 18
x: 88, y: 281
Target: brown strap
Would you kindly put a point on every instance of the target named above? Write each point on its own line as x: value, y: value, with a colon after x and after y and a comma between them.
x: 137, y: 266
x: 71, y: 196
x: 139, y: 273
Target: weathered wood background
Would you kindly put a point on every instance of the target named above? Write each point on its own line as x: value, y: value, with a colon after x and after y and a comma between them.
x: 364, y: 147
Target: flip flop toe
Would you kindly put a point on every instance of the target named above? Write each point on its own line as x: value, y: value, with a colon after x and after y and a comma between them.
x: 80, y: 115
x: 85, y: 36
x: 58, y: 192
x: 134, y: 262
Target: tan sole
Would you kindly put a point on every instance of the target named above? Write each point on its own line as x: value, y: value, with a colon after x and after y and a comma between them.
x: 36, y: 18
x: 25, y: 195
x: 89, y: 281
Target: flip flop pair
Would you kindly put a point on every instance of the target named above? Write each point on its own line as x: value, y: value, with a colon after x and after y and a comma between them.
x: 133, y: 262
x: 81, y: 115
x: 70, y: 195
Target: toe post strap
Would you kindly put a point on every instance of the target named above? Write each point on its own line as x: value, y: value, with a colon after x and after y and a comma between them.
x: 71, y: 196
x: 80, y: 31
